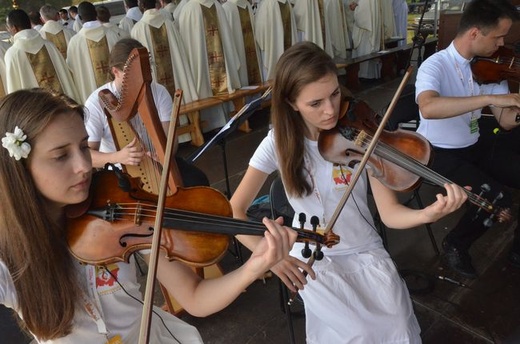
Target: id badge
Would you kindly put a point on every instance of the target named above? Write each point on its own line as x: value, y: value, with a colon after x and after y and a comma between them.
x: 115, y: 339
x: 473, y: 125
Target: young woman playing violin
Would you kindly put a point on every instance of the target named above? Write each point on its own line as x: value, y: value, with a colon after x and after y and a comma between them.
x: 355, y: 293
x: 46, y: 166
x: 450, y: 102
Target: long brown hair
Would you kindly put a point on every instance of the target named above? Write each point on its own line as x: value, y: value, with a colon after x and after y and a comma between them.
x: 298, y: 66
x: 32, y: 245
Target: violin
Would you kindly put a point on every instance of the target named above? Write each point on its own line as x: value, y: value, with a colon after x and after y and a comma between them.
x: 400, y: 159
x: 504, y: 64
x: 120, y: 218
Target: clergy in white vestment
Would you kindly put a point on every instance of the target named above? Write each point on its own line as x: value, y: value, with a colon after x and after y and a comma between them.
x: 275, y: 31
x: 177, y: 12
x: 308, y: 21
x: 336, y: 30
x: 387, y: 12
x: 73, y: 14
x: 241, y: 21
x: 53, y: 31
x: 34, y: 62
x: 133, y: 15
x: 366, y: 36
x: 103, y: 15
x: 88, y: 52
x: 401, y: 20
x: 170, y: 64
x: 168, y: 7
x: 3, y: 78
x: 211, y: 51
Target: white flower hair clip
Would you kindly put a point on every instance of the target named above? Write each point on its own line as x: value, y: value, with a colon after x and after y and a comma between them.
x: 16, y: 145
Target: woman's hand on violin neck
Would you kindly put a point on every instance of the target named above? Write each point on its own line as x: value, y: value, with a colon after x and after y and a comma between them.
x: 292, y: 272
x: 444, y: 205
x: 274, y: 247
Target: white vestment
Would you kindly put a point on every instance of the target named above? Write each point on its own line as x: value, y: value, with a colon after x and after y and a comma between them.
x: 120, y: 32
x: 78, y: 56
x: 366, y: 36
x: 269, y: 31
x: 77, y: 25
x: 19, y: 72
x: 133, y: 15
x: 193, y: 33
x: 169, y: 9
x: 401, y: 20
x: 179, y: 60
x: 231, y: 9
x: 53, y: 27
x: 3, y: 48
x: 177, y: 12
x: 308, y: 21
x: 336, y: 29
x: 387, y: 12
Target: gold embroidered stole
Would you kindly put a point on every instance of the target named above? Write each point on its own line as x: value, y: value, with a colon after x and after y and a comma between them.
x: 216, y: 62
x: 59, y: 41
x: 2, y: 89
x: 99, y: 55
x: 162, y: 56
x: 322, y: 19
x: 285, y: 11
x: 253, y: 72
x: 44, y: 71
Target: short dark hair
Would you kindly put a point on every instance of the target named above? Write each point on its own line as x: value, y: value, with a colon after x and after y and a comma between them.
x: 103, y: 14
x: 35, y: 18
x: 63, y: 11
x: 131, y: 3
x: 73, y: 9
x: 19, y: 19
x: 485, y: 14
x: 148, y: 4
x: 87, y: 11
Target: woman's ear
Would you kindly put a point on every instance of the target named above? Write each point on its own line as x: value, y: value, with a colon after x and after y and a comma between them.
x: 295, y: 108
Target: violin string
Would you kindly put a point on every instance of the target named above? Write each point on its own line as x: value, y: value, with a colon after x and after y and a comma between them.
x: 233, y: 226
x: 388, y: 152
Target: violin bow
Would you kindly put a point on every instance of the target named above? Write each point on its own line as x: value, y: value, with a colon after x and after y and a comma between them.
x: 361, y: 166
x: 144, y: 333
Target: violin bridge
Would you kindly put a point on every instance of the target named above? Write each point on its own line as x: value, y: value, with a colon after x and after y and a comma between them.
x: 360, y: 140
x: 137, y: 214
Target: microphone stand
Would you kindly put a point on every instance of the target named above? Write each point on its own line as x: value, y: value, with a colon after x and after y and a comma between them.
x: 419, y: 39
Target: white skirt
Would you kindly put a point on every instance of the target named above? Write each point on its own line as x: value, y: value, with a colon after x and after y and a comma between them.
x: 359, y: 298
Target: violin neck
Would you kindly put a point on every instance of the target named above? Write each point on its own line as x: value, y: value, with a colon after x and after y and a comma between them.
x: 410, y: 164
x: 195, y: 222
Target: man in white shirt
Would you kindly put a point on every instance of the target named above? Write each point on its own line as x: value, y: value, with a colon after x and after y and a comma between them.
x: 450, y: 102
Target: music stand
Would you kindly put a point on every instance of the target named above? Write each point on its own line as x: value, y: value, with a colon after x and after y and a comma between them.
x: 220, y: 138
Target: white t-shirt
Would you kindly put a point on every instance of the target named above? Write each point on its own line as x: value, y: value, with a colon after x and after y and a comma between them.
x: 120, y: 312
x: 449, y: 74
x: 96, y: 122
x: 355, y: 225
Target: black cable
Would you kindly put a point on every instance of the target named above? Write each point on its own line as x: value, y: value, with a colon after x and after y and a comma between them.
x: 142, y: 303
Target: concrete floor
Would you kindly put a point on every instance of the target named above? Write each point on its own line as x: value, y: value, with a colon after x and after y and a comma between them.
x: 485, y: 310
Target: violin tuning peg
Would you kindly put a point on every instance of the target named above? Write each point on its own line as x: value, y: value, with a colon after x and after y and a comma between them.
x: 302, y: 218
